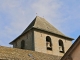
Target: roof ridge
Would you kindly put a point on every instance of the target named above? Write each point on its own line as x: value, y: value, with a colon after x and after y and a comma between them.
x: 30, y: 25
x: 48, y: 25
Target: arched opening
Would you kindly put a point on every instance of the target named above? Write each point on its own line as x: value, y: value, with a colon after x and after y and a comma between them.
x: 48, y: 43
x: 22, y: 44
x: 61, y: 46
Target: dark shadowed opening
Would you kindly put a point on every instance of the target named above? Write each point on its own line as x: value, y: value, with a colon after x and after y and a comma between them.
x: 22, y: 44
x: 61, y: 46
x: 48, y: 43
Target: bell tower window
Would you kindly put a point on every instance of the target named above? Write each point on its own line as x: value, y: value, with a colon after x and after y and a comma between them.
x: 48, y: 43
x: 22, y: 44
x: 61, y: 46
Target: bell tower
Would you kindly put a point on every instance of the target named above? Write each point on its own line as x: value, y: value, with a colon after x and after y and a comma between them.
x: 42, y: 37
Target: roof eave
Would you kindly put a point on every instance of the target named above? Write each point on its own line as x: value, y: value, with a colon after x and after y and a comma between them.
x: 19, y: 36
x: 55, y: 33
x: 42, y: 30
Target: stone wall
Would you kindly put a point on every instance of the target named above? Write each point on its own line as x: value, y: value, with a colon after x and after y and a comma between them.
x: 36, y: 40
x: 28, y: 38
x: 40, y: 43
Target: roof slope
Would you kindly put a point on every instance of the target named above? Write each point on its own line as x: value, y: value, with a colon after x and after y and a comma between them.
x: 19, y: 54
x: 41, y: 23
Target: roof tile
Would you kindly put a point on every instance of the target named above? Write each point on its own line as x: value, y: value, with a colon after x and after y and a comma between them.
x: 19, y: 54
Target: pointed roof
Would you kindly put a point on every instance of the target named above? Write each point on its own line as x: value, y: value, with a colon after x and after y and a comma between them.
x: 41, y: 24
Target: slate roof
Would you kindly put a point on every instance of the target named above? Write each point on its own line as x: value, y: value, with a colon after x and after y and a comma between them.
x: 41, y: 24
x: 19, y: 54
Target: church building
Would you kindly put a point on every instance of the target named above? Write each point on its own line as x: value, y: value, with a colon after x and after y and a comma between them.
x: 39, y: 41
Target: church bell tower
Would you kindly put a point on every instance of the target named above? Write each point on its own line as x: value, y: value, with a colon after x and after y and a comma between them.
x: 42, y: 37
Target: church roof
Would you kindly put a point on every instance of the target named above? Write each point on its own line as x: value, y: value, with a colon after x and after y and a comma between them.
x: 7, y: 53
x: 41, y: 24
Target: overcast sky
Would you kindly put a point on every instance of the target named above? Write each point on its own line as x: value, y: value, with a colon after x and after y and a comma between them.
x: 16, y: 15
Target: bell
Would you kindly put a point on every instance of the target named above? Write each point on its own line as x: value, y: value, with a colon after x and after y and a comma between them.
x: 60, y: 48
x: 48, y: 44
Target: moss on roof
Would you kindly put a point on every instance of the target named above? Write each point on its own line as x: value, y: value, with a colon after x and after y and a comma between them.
x: 19, y: 54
